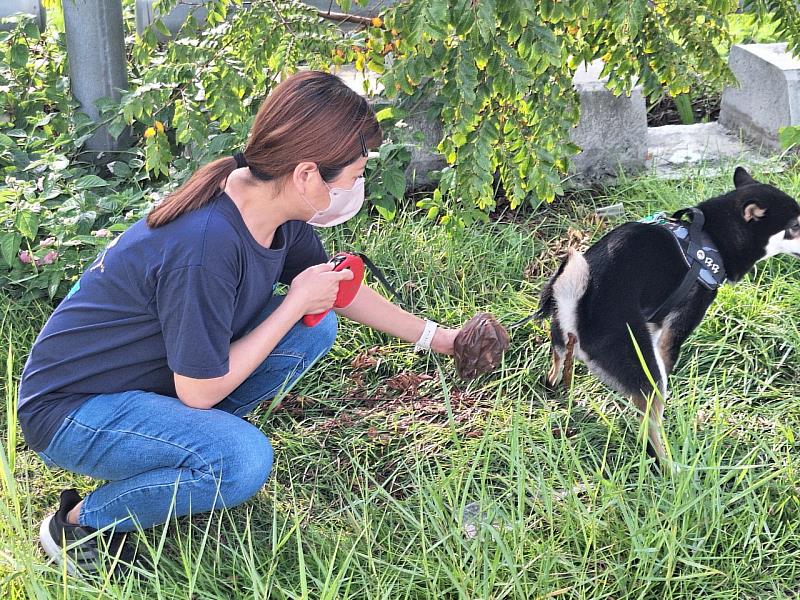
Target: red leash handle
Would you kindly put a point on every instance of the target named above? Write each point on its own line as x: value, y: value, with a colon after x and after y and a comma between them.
x: 347, y: 288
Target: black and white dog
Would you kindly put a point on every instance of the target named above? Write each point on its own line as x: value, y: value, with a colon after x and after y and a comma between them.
x: 653, y: 282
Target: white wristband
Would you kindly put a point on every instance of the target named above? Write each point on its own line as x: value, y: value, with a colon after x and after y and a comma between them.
x: 424, y: 341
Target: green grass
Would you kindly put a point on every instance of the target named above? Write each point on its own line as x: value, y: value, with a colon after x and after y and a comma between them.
x: 371, y: 475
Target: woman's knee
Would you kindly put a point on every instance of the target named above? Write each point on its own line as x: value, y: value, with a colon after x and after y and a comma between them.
x: 322, y: 336
x: 246, y: 467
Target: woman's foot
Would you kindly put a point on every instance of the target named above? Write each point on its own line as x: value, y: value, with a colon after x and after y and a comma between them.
x: 82, y: 548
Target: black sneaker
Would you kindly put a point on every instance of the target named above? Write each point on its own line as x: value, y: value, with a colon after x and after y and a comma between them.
x: 89, y: 555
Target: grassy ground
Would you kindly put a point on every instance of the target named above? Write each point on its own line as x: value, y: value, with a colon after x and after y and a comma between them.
x: 379, y: 451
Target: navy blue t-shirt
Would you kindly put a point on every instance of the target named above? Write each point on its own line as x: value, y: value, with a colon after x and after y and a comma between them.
x: 157, y: 302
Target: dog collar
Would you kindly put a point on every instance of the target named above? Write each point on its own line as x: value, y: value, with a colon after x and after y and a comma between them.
x: 699, y: 253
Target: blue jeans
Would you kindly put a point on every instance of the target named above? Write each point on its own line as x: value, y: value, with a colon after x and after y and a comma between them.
x: 161, y: 457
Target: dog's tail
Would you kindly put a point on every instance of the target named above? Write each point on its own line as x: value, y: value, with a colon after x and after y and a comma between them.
x: 547, y: 302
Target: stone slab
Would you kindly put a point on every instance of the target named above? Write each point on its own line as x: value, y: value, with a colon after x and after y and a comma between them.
x: 612, y: 131
x: 673, y: 151
x: 768, y: 96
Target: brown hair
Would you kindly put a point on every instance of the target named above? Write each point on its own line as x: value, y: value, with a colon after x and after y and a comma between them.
x: 311, y: 116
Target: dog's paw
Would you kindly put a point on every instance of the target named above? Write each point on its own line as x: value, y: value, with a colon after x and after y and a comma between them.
x: 555, y: 389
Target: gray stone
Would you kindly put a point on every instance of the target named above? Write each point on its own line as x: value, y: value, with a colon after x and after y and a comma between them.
x: 768, y: 96
x: 27, y: 7
x: 612, y: 131
x: 424, y: 158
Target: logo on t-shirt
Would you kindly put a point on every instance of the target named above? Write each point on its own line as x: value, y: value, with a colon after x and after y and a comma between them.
x: 99, y: 262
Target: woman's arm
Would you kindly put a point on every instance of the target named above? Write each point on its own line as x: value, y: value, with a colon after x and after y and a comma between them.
x: 312, y: 291
x: 246, y: 354
x: 375, y: 311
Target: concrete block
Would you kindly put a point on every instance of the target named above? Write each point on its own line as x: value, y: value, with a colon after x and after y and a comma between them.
x: 612, y: 131
x: 28, y: 7
x: 768, y: 96
x: 424, y: 157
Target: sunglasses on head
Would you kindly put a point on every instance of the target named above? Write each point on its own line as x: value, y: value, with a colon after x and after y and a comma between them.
x: 364, y: 151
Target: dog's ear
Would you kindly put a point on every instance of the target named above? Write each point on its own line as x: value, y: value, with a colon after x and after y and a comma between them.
x: 742, y: 177
x: 753, y: 212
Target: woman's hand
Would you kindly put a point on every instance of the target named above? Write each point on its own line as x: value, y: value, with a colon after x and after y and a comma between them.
x: 443, y: 340
x: 314, y: 290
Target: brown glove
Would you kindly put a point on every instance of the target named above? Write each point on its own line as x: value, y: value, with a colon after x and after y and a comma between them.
x: 479, y: 346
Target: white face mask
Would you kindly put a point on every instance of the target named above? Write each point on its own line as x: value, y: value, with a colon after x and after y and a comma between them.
x: 344, y: 205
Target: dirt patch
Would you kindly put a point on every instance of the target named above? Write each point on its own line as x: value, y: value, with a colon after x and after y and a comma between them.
x: 392, y: 409
x: 665, y: 112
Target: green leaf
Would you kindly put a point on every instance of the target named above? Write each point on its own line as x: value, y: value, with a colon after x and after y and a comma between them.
x: 27, y: 223
x: 789, y: 136
x: 220, y: 144
x: 119, y: 168
x: 391, y: 112
x: 9, y: 245
x: 90, y: 181
x: 54, y: 280
x: 486, y: 20
x: 19, y: 55
x: 116, y: 127
x: 159, y: 26
x: 376, y: 66
x: 435, y: 20
x: 395, y: 182
x: 386, y: 207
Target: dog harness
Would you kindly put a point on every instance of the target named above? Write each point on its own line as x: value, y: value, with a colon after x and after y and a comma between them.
x: 699, y: 253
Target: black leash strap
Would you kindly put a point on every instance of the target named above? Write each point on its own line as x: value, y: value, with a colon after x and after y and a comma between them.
x: 375, y: 270
x: 382, y: 278
x: 521, y: 322
x: 695, y: 230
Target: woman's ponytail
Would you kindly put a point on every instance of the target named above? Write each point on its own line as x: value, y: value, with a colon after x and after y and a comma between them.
x: 201, y: 187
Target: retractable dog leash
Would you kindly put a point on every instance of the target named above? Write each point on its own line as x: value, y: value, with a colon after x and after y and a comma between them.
x: 477, y: 348
x: 355, y: 261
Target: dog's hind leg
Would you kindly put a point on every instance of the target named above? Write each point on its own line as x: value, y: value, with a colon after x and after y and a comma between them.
x: 677, y: 326
x: 569, y: 360
x: 564, y: 293
x: 653, y: 413
x: 558, y: 351
x: 561, y: 358
x: 612, y: 355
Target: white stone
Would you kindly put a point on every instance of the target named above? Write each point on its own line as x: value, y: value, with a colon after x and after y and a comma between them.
x: 672, y: 150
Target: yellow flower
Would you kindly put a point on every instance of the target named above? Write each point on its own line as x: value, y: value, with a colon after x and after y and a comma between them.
x: 159, y: 127
x: 149, y: 132
x: 376, y: 22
